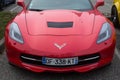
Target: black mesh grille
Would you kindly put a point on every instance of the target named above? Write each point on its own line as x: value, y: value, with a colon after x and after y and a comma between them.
x: 83, y: 60
x: 60, y: 24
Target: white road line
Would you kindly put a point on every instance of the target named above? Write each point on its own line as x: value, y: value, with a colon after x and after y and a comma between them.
x: 117, y: 53
x: 14, y: 8
x: 1, y: 41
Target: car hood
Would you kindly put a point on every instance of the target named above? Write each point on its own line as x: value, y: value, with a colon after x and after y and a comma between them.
x: 59, y: 22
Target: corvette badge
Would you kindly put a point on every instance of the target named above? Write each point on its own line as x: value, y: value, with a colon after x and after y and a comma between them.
x: 60, y: 46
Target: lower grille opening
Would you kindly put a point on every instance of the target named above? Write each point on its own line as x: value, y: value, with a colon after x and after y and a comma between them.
x: 82, y: 60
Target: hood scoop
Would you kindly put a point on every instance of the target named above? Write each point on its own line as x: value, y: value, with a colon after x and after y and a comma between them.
x: 60, y: 24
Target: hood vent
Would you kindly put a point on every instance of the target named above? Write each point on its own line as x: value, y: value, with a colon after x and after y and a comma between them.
x: 60, y: 24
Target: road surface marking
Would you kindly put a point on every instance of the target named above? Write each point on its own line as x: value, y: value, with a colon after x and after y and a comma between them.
x: 14, y: 8
x: 1, y: 41
x: 117, y: 53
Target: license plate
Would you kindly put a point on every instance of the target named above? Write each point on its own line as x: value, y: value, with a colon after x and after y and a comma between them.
x: 60, y: 61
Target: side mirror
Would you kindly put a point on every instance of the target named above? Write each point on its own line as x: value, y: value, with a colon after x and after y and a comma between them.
x: 21, y: 3
x: 99, y: 3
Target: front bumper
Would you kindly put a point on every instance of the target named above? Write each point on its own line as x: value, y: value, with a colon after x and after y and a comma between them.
x: 106, y: 56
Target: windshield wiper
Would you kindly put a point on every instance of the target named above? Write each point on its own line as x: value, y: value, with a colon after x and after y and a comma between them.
x: 35, y: 10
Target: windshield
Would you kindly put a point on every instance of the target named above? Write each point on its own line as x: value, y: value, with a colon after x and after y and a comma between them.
x: 60, y: 4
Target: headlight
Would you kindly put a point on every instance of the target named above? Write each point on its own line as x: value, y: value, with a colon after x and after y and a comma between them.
x: 105, y: 33
x: 15, y: 33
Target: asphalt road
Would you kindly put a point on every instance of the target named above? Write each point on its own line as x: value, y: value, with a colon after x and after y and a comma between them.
x: 111, y: 72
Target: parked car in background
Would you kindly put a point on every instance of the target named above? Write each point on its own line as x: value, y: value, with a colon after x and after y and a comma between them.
x: 1, y: 4
x: 4, y: 3
x: 115, y: 13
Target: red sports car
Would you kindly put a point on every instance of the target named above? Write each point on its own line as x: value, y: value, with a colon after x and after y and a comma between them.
x: 60, y: 36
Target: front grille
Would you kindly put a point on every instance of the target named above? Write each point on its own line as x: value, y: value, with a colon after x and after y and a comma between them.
x: 82, y: 60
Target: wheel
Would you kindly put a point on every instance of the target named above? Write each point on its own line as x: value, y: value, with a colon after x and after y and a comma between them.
x: 114, y: 16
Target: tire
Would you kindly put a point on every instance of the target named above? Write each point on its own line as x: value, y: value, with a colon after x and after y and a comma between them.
x: 114, y: 17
